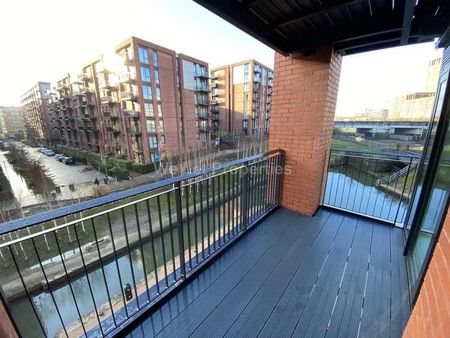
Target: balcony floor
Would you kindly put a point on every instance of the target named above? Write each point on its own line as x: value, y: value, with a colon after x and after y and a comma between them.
x: 329, y: 275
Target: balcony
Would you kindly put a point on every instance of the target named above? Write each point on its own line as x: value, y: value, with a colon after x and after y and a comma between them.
x: 215, y: 117
x: 131, y: 114
x: 202, y: 89
x: 126, y: 77
x: 129, y: 96
x: 214, y: 109
x: 203, y: 128
x: 215, y: 93
x: 108, y: 99
x: 257, y: 69
x: 202, y: 73
x: 202, y: 116
x: 285, y: 274
x: 257, y: 79
x: 135, y: 131
x: 83, y: 77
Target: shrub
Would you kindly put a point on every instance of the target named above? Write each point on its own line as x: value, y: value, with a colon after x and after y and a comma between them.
x: 143, y: 168
x: 120, y: 173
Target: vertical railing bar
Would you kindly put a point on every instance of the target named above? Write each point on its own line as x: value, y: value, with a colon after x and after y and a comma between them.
x: 350, y: 189
x: 202, y: 222
x: 327, y: 191
x: 214, y: 211
x: 250, y: 195
x: 356, y: 191
x: 117, y: 263
x: 66, y: 274
x: 219, y: 205
x: 152, y: 240
x: 272, y: 180
x: 244, y: 197
x: 129, y: 255
x: 341, y: 203
x: 188, y: 223
x: 87, y: 279
x: 163, y: 246
x: 279, y: 176
x: 339, y: 180
x: 103, y: 272
x: 30, y: 299
x: 374, y: 185
x: 224, y: 201
x: 194, y: 197
x: 229, y: 204
x: 258, y: 187
x: 142, y: 252
x: 208, y: 211
x: 365, y: 185
x: 261, y: 187
x: 233, y: 193
x: 172, y: 242
x: 382, y: 205
x: 403, y: 190
x: 179, y: 211
x: 48, y: 285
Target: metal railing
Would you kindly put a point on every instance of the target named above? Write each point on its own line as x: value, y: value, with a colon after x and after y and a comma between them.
x: 373, y: 184
x: 93, y: 268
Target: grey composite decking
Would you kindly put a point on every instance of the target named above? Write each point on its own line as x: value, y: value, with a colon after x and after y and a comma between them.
x: 333, y: 275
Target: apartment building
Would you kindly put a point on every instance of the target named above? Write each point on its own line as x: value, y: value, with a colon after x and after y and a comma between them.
x: 12, y: 122
x: 241, y: 98
x: 34, y: 106
x: 140, y: 101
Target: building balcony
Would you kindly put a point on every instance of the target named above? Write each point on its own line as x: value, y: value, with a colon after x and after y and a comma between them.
x: 129, y: 96
x: 214, y: 84
x: 214, y: 102
x: 215, y: 93
x: 203, y: 128
x: 270, y: 75
x: 202, y: 116
x: 83, y: 77
x: 214, y: 109
x: 257, y: 68
x: 126, y: 77
x: 215, y: 117
x: 201, y: 102
x: 257, y: 79
x: 108, y: 99
x: 202, y: 74
x: 135, y: 131
x: 202, y: 89
x: 131, y: 114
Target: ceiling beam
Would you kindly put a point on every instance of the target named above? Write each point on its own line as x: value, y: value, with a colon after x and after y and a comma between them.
x: 316, y: 10
x: 407, y: 20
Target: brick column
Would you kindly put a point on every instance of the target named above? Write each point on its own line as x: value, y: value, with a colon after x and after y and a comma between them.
x: 7, y: 328
x: 303, y: 107
x: 431, y: 313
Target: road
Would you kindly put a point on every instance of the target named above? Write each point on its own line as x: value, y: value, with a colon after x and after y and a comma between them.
x: 64, y: 174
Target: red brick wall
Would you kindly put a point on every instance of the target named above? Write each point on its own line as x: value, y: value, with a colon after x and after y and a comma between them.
x: 303, y: 107
x: 431, y: 314
x: 6, y: 327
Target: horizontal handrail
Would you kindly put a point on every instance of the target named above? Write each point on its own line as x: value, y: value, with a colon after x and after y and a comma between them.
x: 371, y: 152
x: 115, y: 197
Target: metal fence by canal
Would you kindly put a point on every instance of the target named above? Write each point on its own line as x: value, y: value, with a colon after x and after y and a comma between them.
x: 374, y: 184
x: 92, y: 268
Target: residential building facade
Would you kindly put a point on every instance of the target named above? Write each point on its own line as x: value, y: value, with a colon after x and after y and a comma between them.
x: 12, y: 121
x: 34, y: 107
x: 141, y: 101
x: 241, y: 98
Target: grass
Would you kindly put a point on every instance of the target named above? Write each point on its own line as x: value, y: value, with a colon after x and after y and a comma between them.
x: 339, y: 144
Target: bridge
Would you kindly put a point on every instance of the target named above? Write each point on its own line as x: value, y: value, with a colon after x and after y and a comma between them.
x: 382, y: 127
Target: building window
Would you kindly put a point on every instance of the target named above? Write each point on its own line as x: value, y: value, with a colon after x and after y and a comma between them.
x: 147, y: 90
x: 155, y: 58
x: 143, y: 55
x: 157, y: 76
x: 153, y: 142
x: 151, y: 126
x: 149, y: 110
x: 160, y: 113
x: 158, y: 93
x: 163, y: 139
x: 161, y: 126
x: 145, y: 74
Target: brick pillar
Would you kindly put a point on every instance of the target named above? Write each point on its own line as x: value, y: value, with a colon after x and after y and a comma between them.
x: 431, y: 313
x: 7, y: 328
x: 303, y: 107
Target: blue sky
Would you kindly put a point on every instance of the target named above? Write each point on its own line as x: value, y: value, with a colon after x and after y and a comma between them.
x: 45, y: 39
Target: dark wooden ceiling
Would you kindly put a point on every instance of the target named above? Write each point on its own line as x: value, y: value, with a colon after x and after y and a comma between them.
x: 352, y: 26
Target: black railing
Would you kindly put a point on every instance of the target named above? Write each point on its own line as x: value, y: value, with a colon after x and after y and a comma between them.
x: 374, y: 184
x: 93, y: 268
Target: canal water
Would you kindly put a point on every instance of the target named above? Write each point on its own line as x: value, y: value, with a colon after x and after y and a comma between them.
x: 350, y: 189
x: 18, y: 185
